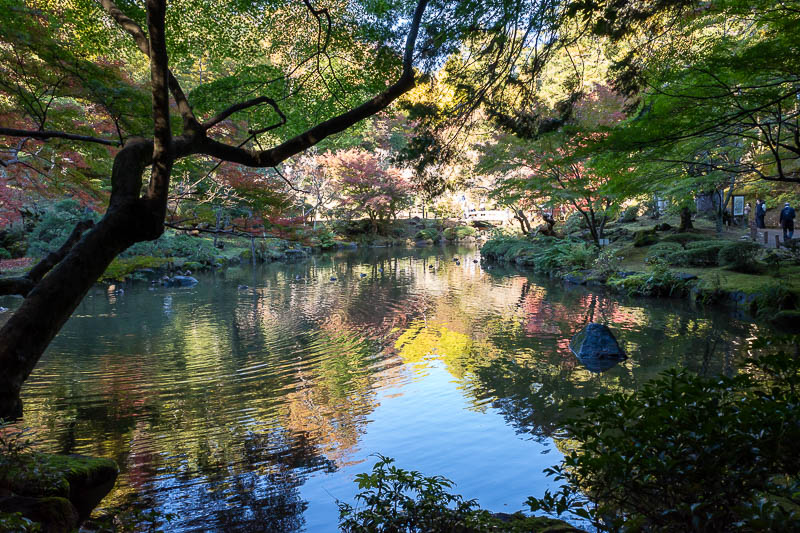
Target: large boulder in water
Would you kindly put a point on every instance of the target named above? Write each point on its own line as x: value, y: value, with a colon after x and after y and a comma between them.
x: 597, y: 348
x: 182, y: 281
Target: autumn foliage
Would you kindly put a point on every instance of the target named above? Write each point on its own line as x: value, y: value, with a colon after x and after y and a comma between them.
x: 367, y: 186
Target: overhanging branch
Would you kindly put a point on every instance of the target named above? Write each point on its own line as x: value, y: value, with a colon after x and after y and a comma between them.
x: 129, y: 25
x: 337, y: 124
x: 50, y: 134
x: 222, y: 115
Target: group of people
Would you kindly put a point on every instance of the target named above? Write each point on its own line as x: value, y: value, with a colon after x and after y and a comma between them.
x: 786, y: 219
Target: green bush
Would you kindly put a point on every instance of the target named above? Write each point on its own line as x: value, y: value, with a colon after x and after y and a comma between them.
x: 644, y: 237
x: 687, y: 453
x: 426, y: 234
x: 14, y: 240
x: 544, y: 254
x: 496, y: 247
x: 5, y: 254
x: 772, y: 300
x: 699, y: 254
x: 630, y: 214
x: 397, y: 500
x: 55, y: 225
x: 659, y: 281
x: 741, y: 256
x: 661, y: 251
x: 400, y: 500
x: 606, y: 263
x: 458, y: 232
x: 683, y: 238
x: 171, y: 244
x: 574, y: 223
x: 326, y: 240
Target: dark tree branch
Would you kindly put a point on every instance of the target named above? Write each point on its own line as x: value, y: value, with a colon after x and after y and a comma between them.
x: 339, y: 123
x: 49, y: 134
x: 224, y: 114
x: 163, y: 158
x: 190, y: 123
x: 22, y: 285
x: 289, y: 183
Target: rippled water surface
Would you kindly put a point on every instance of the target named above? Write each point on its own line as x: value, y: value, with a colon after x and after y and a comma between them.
x: 252, y: 408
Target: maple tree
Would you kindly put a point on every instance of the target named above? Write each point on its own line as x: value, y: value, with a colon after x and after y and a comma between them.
x: 365, y: 184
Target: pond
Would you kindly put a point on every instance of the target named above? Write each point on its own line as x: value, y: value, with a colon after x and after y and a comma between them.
x: 250, y: 401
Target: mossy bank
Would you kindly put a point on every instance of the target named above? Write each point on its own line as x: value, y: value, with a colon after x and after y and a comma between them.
x: 707, y: 271
x: 52, y: 492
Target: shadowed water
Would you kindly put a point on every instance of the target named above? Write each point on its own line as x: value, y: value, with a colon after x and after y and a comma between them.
x: 250, y: 401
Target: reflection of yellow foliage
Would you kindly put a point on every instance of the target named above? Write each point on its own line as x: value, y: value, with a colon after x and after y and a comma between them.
x: 420, y: 341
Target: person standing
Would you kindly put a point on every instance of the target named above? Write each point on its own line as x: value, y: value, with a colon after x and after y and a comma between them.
x: 787, y: 221
x: 760, y: 212
x: 747, y: 214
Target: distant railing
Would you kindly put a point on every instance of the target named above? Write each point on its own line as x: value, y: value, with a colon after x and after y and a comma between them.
x: 496, y: 215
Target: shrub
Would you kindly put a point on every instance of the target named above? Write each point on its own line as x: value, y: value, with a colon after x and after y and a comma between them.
x: 5, y: 254
x: 326, y: 240
x: 741, y: 256
x: 630, y: 214
x: 428, y: 234
x: 458, y: 232
x: 644, y: 237
x: 397, y: 500
x: 544, y: 254
x: 683, y: 238
x: 172, y: 244
x: 660, y: 281
x: 400, y: 500
x: 661, y: 251
x: 55, y: 225
x: 699, y: 253
x: 606, y: 263
x: 687, y: 453
x: 574, y: 223
x: 13, y: 239
x: 774, y: 299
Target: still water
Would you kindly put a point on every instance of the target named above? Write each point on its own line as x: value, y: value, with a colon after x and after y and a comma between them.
x: 249, y: 402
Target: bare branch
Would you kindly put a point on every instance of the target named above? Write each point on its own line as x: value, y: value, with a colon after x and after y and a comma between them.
x: 50, y: 134
x: 222, y: 115
x: 289, y: 183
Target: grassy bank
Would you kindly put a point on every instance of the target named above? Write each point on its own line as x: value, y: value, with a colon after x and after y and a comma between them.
x: 643, y: 260
x: 196, y: 248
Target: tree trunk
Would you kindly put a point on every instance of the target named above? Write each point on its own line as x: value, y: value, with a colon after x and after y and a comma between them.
x: 129, y: 219
x: 686, y: 220
x: 47, y: 307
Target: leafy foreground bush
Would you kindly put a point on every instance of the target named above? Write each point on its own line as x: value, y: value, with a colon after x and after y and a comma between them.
x: 397, y: 500
x: 688, y: 453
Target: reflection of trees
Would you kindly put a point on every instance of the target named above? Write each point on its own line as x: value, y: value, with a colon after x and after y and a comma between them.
x: 523, y: 367
x: 217, y: 402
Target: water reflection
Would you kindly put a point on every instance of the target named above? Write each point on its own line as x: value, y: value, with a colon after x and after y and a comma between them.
x: 252, y: 407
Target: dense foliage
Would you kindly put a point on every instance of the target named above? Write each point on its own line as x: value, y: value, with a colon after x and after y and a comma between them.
x: 687, y: 453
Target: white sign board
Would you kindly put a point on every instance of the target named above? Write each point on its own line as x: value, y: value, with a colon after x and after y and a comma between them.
x: 738, y: 206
